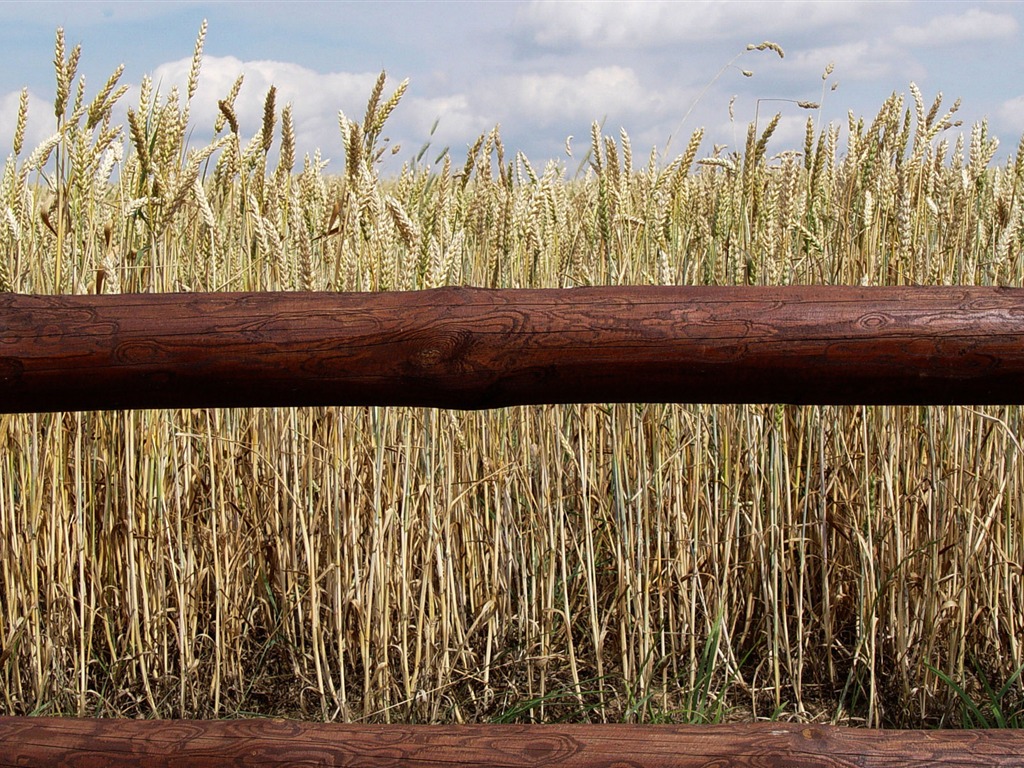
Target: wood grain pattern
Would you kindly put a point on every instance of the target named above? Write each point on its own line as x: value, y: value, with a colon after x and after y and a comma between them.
x: 477, y: 348
x: 44, y: 742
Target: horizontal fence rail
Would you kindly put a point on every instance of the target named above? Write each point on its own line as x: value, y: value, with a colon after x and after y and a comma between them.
x: 476, y: 348
x: 44, y: 742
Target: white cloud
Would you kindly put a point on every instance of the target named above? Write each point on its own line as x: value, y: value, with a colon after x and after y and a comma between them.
x: 972, y: 26
x: 316, y: 97
x: 457, y: 122
x: 40, y: 126
x: 858, y: 61
x: 553, y: 99
x: 658, y: 22
x: 1011, y: 113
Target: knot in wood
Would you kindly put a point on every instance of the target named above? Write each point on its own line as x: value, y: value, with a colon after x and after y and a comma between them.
x: 446, y: 350
x: 137, y: 351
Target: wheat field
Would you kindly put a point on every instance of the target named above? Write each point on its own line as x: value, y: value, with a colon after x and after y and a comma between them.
x: 640, y: 563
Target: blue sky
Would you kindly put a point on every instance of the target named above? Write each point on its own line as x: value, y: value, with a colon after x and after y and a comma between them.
x: 543, y: 70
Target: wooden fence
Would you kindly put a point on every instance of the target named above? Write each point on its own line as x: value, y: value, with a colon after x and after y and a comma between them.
x: 472, y: 348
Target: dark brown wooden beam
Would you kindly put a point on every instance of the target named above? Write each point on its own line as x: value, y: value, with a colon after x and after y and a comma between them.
x: 475, y: 348
x: 44, y: 742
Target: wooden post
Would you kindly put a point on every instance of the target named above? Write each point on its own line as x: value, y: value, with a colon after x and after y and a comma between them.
x: 45, y: 742
x: 475, y: 348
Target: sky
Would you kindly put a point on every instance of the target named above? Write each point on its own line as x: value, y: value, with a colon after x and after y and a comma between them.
x: 544, y: 71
